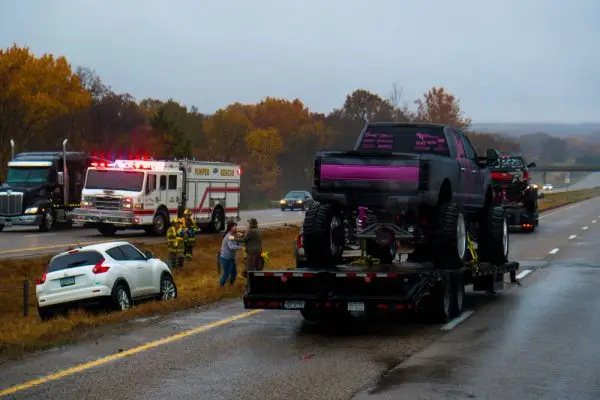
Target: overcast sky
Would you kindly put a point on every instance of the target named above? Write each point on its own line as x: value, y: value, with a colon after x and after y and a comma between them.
x: 507, y: 60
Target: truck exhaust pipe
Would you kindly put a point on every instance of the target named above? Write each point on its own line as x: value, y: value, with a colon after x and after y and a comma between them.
x: 12, y: 149
x: 65, y: 174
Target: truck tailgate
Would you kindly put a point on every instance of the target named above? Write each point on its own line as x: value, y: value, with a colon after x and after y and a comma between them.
x: 369, y: 170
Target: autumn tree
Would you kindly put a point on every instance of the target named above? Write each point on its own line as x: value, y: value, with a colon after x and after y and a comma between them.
x: 302, y: 134
x: 264, y: 146
x: 225, y: 132
x: 33, y: 92
x: 441, y: 107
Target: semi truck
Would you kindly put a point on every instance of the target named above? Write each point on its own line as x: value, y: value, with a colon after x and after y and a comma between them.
x: 148, y: 194
x: 43, y: 188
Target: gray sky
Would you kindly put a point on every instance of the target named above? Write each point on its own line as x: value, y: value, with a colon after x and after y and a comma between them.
x: 507, y: 60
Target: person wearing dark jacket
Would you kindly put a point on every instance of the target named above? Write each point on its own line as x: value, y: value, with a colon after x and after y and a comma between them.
x: 253, y: 242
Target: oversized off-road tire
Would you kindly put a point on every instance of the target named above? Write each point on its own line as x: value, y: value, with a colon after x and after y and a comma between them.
x: 324, y: 236
x: 385, y: 254
x: 449, y: 245
x: 493, y: 246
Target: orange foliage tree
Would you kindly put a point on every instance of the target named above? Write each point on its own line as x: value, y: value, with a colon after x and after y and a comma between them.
x: 440, y: 107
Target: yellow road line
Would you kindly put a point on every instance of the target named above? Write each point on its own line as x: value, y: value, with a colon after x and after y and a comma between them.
x: 132, y: 351
x: 63, y: 245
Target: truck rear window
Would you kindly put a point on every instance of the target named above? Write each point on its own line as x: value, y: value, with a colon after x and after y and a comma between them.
x: 79, y: 259
x: 509, y: 163
x: 405, y: 139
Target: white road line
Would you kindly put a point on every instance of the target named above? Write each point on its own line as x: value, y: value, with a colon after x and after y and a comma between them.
x: 572, y: 236
x: 554, y: 251
x: 277, y: 215
x: 584, y: 228
x: 594, y: 221
x: 523, y: 274
x: 40, y: 234
x: 458, y: 320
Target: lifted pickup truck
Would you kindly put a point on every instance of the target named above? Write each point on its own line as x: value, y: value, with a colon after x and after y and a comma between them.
x: 514, y: 191
x: 322, y: 294
x: 418, y: 186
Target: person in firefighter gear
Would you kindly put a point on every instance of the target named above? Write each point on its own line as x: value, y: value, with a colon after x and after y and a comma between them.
x: 253, y: 242
x: 189, y: 225
x: 175, y: 244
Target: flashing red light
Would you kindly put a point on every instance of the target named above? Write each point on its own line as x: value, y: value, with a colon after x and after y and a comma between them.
x: 41, y: 280
x: 73, y: 251
x: 238, y: 171
x: 99, y: 268
x: 299, y: 241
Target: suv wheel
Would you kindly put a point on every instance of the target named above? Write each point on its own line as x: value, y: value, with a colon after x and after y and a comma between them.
x: 324, y: 235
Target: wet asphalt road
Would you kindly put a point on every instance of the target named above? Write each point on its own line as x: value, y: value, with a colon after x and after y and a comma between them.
x: 532, y: 340
x: 26, y: 241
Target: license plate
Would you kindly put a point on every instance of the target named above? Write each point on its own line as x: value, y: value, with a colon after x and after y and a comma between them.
x: 294, y: 305
x: 353, y: 306
x: 8, y: 224
x: 67, y: 281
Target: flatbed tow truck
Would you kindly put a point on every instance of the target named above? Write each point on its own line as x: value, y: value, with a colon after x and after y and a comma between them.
x: 360, y: 287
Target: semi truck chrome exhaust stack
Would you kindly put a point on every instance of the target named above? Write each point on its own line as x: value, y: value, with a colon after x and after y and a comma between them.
x: 65, y: 174
x: 12, y: 149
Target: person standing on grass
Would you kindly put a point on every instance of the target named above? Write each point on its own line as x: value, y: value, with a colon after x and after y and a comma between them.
x: 229, y: 248
x: 253, y: 242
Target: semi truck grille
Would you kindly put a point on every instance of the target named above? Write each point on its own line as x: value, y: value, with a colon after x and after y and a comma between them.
x: 11, y: 203
x: 107, y: 203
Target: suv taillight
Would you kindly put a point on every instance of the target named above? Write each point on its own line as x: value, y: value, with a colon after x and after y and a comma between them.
x: 99, y: 268
x: 42, y: 280
x: 299, y: 241
x: 526, y: 176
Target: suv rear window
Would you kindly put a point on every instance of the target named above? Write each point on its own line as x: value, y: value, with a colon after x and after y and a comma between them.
x: 507, y: 162
x: 405, y: 139
x: 79, y: 259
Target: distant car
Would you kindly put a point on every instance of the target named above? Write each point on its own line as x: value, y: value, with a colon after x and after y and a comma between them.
x: 547, y: 186
x: 113, y: 273
x: 296, y: 200
x: 299, y: 251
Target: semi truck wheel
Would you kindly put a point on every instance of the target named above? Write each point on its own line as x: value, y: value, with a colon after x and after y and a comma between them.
x: 458, y: 295
x: 48, y: 221
x: 493, y: 241
x: 324, y: 236
x: 450, y: 247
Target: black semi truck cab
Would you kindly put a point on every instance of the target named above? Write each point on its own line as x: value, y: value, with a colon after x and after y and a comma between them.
x: 42, y: 188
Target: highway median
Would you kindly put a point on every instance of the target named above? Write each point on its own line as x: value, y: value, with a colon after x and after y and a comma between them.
x: 197, y: 286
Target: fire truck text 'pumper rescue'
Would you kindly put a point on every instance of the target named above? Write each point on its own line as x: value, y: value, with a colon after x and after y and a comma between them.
x: 148, y: 194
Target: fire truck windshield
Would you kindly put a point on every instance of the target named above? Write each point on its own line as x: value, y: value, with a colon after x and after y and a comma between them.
x: 115, y: 180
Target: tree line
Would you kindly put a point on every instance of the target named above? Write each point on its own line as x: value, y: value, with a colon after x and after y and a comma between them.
x: 44, y: 100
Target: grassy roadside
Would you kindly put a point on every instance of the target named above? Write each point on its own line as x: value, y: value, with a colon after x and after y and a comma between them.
x: 196, y: 283
x: 559, y: 199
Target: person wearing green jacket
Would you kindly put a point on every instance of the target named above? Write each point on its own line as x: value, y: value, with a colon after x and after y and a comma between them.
x: 253, y: 243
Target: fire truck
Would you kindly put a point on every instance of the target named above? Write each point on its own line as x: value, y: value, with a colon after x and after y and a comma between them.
x: 148, y: 194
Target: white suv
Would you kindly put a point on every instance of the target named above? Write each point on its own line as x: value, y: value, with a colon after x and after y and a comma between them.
x: 113, y: 273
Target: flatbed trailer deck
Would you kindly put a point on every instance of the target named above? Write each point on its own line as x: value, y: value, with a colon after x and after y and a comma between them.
x: 398, y: 287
